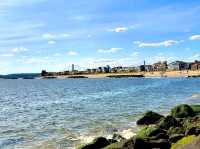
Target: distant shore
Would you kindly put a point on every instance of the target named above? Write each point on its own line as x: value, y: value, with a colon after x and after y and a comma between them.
x: 152, y: 74
x: 132, y: 74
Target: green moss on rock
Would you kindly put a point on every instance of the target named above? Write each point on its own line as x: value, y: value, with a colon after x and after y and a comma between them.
x: 194, y: 144
x: 151, y: 144
x: 98, y: 143
x: 139, y: 143
x: 196, y: 109
x: 152, y: 132
x: 183, y: 142
x: 167, y: 122
x: 128, y: 144
x: 149, y: 118
x: 182, y: 111
x: 175, y: 130
x: 192, y: 126
x: 174, y: 138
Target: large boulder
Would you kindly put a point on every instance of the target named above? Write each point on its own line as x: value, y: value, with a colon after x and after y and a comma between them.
x: 182, y: 111
x: 151, y: 144
x: 152, y: 133
x: 196, y: 109
x: 149, y: 118
x: 175, y: 130
x: 98, y: 143
x: 184, y: 141
x: 167, y: 122
x: 139, y: 143
x: 194, y: 144
x: 193, y: 131
x: 125, y: 144
x: 175, y: 138
x: 192, y: 126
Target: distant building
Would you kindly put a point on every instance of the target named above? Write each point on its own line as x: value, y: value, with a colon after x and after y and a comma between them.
x: 107, y: 69
x: 146, y: 68
x: 179, y: 65
x: 94, y: 70
x: 73, y: 68
x: 195, y: 65
x: 43, y: 73
x: 116, y: 69
x: 129, y: 69
x: 66, y: 73
x: 89, y: 71
x: 160, y: 66
x: 99, y: 70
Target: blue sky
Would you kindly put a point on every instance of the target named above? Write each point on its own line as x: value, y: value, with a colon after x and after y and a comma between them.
x: 51, y: 35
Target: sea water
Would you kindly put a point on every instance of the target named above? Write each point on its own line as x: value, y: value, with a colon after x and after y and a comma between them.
x: 60, y: 114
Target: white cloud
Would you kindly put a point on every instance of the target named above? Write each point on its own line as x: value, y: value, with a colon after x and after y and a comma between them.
x: 7, y: 55
x: 51, y: 42
x: 65, y: 35
x: 166, y: 43
x: 89, y: 35
x: 119, y: 29
x: 196, y: 55
x: 19, y: 49
x: 112, y: 50
x: 135, y: 53
x: 123, y: 28
x: 195, y: 37
x: 72, y: 53
x: 57, y: 54
x: 49, y: 36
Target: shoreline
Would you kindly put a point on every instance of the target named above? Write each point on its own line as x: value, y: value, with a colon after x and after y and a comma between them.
x: 156, y: 74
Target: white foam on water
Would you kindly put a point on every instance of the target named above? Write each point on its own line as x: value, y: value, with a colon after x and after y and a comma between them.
x: 127, y: 134
x: 87, y: 139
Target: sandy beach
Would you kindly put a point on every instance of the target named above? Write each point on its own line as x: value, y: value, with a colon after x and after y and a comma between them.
x: 145, y: 74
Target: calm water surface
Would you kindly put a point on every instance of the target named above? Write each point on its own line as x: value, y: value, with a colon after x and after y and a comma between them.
x: 59, y: 114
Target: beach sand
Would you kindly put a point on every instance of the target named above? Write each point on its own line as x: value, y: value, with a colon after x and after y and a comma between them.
x: 145, y: 74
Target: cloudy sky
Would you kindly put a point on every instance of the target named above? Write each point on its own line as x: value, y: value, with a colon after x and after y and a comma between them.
x: 51, y: 35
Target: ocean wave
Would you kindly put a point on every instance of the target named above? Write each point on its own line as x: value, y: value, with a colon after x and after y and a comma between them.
x: 127, y: 132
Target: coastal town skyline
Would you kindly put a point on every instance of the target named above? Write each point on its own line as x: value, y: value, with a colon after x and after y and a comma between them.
x: 160, y: 66
x: 123, y: 34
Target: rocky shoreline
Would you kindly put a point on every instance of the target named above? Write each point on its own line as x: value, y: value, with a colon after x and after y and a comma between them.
x: 178, y: 130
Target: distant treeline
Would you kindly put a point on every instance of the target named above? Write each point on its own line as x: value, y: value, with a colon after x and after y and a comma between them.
x: 21, y: 76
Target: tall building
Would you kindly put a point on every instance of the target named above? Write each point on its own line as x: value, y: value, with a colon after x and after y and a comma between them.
x: 73, y: 67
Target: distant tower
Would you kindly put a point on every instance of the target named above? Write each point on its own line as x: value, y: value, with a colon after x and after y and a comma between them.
x: 144, y: 65
x: 72, y: 67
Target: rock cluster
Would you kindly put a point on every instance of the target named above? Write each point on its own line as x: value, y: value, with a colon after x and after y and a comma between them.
x: 175, y: 131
